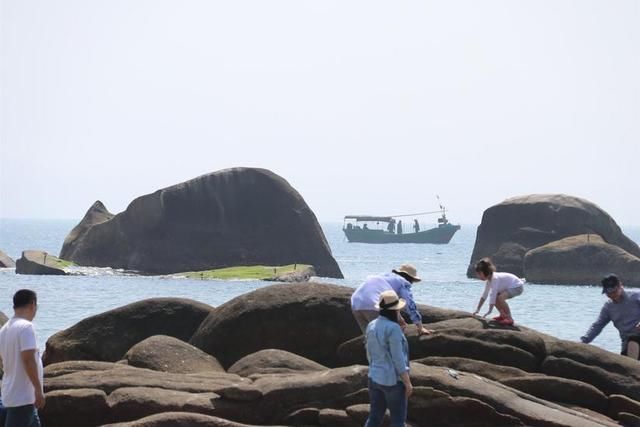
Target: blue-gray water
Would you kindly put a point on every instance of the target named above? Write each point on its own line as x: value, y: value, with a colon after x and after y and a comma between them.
x: 563, y: 311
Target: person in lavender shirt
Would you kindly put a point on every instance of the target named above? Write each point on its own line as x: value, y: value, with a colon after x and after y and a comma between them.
x: 365, y: 297
x: 623, y: 309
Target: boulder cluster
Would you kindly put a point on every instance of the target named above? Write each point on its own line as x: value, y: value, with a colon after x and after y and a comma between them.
x: 555, y: 239
x: 291, y: 354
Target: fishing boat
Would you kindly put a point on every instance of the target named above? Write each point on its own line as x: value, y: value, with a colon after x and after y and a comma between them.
x: 390, y: 229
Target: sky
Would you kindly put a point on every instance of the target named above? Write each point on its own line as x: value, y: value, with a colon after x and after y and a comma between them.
x: 363, y: 106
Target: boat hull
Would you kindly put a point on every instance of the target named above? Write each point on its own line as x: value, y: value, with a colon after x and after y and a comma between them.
x: 438, y: 235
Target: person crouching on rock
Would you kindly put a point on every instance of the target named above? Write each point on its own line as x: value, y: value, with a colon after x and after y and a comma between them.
x: 623, y: 309
x: 388, y: 356
x: 366, y: 296
x: 502, y: 287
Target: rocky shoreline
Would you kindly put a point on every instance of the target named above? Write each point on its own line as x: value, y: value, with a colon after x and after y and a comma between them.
x: 291, y: 354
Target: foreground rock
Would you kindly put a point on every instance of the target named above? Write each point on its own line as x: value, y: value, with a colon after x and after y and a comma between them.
x: 240, y: 216
x: 108, y: 336
x: 324, y: 398
x: 168, y: 354
x: 518, y: 225
x: 580, y: 259
x: 309, y: 319
x: 471, y: 372
x: 40, y: 263
x: 179, y: 419
x: 273, y: 362
x: 6, y: 261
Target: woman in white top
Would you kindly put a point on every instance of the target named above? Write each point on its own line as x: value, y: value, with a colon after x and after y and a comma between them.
x: 500, y: 287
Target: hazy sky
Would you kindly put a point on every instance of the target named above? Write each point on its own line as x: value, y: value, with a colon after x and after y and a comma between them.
x: 364, y: 107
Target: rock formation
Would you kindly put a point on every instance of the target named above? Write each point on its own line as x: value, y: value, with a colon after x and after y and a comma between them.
x: 169, y: 354
x: 234, y: 217
x: 314, y: 314
x: 525, y: 235
x: 580, y: 259
x: 108, y: 336
x: 470, y: 372
x: 40, y: 263
x: 6, y: 261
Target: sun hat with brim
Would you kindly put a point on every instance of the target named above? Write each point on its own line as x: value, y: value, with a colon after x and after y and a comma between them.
x: 409, y: 270
x: 610, y: 283
x: 389, y: 301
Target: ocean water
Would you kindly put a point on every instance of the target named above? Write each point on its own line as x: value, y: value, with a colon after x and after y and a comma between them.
x: 562, y: 311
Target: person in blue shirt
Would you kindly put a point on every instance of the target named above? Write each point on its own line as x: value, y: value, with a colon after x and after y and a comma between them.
x: 388, y: 356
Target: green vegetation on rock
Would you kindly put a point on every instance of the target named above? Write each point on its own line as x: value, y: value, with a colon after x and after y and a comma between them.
x: 255, y: 272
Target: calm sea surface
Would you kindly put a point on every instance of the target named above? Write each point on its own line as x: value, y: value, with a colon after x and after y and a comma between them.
x: 563, y: 311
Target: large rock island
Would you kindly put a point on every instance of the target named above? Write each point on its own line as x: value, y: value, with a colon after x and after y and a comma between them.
x: 555, y: 238
x: 233, y: 217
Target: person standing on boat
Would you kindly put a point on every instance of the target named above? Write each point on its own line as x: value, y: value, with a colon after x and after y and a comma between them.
x: 391, y: 227
x: 502, y: 287
x: 367, y: 295
x: 416, y: 225
x: 399, y: 227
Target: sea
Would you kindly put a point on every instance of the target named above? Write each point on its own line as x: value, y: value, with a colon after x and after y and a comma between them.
x: 559, y: 310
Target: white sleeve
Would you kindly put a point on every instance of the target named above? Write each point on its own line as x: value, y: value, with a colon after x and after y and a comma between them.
x: 487, y: 287
x: 27, y: 339
x: 494, y: 295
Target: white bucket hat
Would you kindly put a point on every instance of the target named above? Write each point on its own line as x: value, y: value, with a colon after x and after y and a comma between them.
x: 409, y: 270
x: 389, y: 301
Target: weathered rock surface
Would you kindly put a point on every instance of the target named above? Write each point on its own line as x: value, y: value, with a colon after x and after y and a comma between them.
x: 485, y: 369
x: 89, y: 405
x: 505, y: 400
x: 512, y: 228
x: 517, y: 349
x: 561, y: 390
x: 6, y: 261
x: 429, y: 404
x: 622, y: 404
x: 39, y: 263
x: 169, y: 354
x: 179, y: 419
x: 108, y: 336
x: 582, y: 259
x: 273, y: 361
x: 97, y: 214
x: 308, y: 319
x: 233, y: 217
x: 300, y: 275
x: 541, y: 380
x: 69, y: 367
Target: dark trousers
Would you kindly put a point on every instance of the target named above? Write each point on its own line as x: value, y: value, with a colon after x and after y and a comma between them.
x: 383, y: 397
x: 22, y: 416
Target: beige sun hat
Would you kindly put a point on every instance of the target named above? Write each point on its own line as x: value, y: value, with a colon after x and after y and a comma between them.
x: 409, y: 270
x: 389, y: 301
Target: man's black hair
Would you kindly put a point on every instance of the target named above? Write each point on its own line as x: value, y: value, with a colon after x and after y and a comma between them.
x: 24, y: 297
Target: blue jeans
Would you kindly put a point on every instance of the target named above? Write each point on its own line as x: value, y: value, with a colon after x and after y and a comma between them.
x: 383, y: 397
x: 22, y: 416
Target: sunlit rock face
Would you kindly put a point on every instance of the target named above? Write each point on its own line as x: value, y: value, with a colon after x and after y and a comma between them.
x: 513, y: 228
